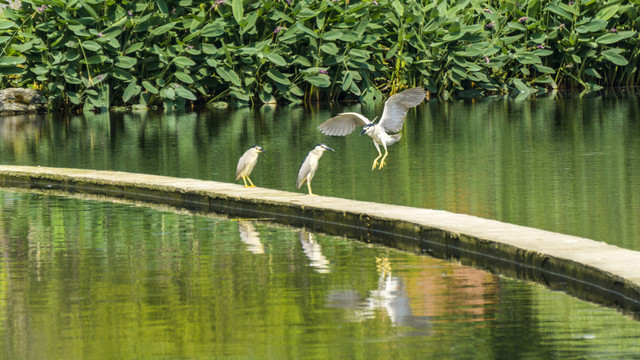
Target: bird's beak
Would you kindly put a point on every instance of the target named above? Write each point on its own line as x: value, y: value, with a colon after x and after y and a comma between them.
x: 328, y: 148
x: 363, y: 131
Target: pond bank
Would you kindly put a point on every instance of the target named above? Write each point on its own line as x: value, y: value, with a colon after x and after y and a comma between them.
x: 588, y: 269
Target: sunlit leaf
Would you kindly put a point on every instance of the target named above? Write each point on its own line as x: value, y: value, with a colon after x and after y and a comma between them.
x: 614, y: 56
x: 614, y: 37
x: 91, y: 45
x: 277, y: 59
x: 89, y: 9
x: 150, y: 88
x: 329, y: 48
x: 278, y: 77
x: 229, y: 75
x: 528, y: 58
x: 608, y: 12
x: 238, y: 10
x: 6, y: 24
x: 320, y: 80
x: 162, y: 6
x: 162, y: 29
x: 185, y: 78
x: 185, y: 93
x: 213, y: 29
x: 132, y: 90
x: 125, y: 62
x: 183, y: 61
x: 11, y: 60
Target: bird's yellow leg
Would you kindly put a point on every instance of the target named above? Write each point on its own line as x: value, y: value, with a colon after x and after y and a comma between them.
x: 250, y: 182
x: 309, y: 187
x: 245, y: 181
x: 382, y: 163
x: 375, y: 161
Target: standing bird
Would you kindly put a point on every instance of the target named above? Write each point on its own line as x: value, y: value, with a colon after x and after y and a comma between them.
x: 246, y: 164
x: 395, y: 110
x: 310, y: 165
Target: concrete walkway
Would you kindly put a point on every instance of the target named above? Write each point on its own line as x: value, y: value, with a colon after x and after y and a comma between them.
x: 588, y: 269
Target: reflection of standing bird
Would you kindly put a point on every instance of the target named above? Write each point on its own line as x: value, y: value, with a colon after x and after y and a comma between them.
x: 250, y: 236
x: 246, y: 164
x: 313, y: 250
x: 395, y: 110
x: 310, y: 165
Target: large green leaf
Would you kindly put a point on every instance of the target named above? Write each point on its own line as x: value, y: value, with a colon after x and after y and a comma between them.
x: 607, y: 13
x: 132, y: 90
x: 528, y: 58
x: 11, y: 70
x: 183, y: 61
x: 329, y: 48
x: 229, y: 75
x: 89, y: 9
x: 149, y: 87
x: 185, y: 93
x: 185, y: 78
x: 22, y: 48
x: 125, y: 62
x: 277, y: 59
x: 6, y: 24
x: 614, y: 56
x: 614, y: 37
x: 91, y: 45
x: 278, y: 77
x: 134, y: 47
x: 162, y: 6
x: 238, y: 10
x: 595, y: 25
x: 11, y: 60
x: 560, y: 11
x: 162, y: 29
x: 213, y: 29
x: 320, y: 80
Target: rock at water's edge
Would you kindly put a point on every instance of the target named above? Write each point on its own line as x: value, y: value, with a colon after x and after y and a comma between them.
x: 20, y: 101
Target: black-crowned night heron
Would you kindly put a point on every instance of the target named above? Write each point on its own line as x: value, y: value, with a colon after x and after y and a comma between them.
x: 310, y: 165
x: 395, y: 110
x: 246, y: 164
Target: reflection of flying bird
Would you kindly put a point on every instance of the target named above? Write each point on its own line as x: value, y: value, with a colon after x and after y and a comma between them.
x: 310, y: 165
x: 393, y: 115
x: 246, y: 164
x: 251, y: 237
x: 314, y: 252
x: 391, y: 296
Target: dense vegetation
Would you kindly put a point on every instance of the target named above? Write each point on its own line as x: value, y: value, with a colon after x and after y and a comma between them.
x: 96, y: 54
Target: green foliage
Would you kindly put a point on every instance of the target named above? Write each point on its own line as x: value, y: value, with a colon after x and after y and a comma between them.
x: 96, y: 54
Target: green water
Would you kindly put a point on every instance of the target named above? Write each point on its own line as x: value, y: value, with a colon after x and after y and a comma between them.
x: 84, y: 279
x: 570, y: 165
x: 103, y: 280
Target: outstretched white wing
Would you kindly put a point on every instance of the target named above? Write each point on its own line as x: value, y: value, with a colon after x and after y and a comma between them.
x: 343, y: 124
x: 396, y: 107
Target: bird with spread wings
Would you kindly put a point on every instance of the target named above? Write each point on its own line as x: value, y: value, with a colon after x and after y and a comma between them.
x: 384, y: 132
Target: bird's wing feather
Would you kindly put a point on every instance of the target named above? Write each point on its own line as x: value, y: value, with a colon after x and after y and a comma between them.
x: 343, y: 124
x: 396, y: 107
x: 242, y: 163
x: 304, y: 170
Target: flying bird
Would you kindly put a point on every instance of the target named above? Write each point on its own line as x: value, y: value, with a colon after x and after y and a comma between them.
x: 310, y: 165
x: 247, y: 162
x: 382, y: 132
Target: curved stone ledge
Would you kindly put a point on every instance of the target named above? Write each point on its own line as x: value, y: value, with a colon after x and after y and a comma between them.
x: 588, y: 269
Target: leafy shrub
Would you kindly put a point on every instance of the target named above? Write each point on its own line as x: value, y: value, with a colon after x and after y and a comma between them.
x: 95, y: 54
